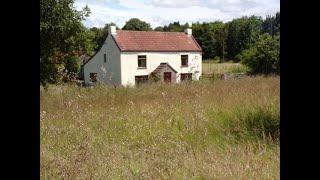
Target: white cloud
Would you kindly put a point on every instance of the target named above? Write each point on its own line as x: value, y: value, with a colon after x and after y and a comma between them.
x: 98, y: 1
x: 174, y: 3
x: 162, y: 12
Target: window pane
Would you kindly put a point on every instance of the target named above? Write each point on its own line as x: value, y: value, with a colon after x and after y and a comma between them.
x: 142, y: 57
x: 184, y: 60
x: 142, y: 61
x: 141, y: 79
x: 186, y: 76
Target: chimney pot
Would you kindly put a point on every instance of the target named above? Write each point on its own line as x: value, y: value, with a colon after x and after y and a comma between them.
x: 112, y: 30
x: 188, y: 31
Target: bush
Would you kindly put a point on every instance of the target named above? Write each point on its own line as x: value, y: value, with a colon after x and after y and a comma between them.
x: 216, y: 58
x: 237, y: 58
x: 264, y: 57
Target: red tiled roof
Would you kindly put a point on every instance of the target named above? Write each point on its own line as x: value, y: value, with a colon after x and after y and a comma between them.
x: 155, y: 41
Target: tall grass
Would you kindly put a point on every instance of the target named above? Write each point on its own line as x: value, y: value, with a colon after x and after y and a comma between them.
x: 221, y: 68
x: 200, y: 130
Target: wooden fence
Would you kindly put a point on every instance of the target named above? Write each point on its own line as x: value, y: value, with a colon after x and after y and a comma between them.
x: 222, y: 76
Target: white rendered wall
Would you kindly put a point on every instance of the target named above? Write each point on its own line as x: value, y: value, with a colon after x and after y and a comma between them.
x: 129, y: 64
x: 109, y: 72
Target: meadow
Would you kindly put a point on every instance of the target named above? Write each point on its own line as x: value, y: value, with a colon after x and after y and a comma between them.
x: 213, y: 67
x: 222, y: 129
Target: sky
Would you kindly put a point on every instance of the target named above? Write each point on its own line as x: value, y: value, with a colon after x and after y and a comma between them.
x: 163, y: 12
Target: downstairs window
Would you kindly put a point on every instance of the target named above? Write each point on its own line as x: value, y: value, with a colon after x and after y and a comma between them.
x: 93, y: 77
x: 141, y: 79
x: 186, y: 76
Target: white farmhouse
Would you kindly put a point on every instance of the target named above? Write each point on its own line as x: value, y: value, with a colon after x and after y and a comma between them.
x: 131, y: 57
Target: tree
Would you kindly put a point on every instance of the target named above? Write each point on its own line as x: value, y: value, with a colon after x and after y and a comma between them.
x: 208, y: 37
x: 136, y: 24
x: 277, y: 24
x: 271, y: 24
x: 159, y: 28
x: 175, y: 27
x: 242, y: 34
x: 250, y: 32
x: 63, y: 38
x: 205, y: 38
x: 220, y: 34
x: 185, y: 26
x: 233, y: 42
x: 100, y: 35
x: 264, y: 57
x: 267, y: 26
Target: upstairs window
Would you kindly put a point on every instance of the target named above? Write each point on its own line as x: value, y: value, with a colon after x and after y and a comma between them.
x: 184, y: 60
x: 142, y: 61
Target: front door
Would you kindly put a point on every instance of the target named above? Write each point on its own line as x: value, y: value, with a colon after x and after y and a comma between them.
x: 167, y: 77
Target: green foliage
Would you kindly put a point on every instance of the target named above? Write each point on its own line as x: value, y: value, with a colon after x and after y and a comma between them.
x: 101, y: 34
x: 209, y: 38
x: 233, y: 42
x: 264, y: 57
x: 221, y: 36
x: 159, y: 28
x: 155, y: 77
x: 61, y: 34
x: 271, y: 24
x: 136, y: 24
x: 217, y: 58
x: 175, y: 27
x: 277, y: 24
x: 242, y: 34
x: 227, y: 40
x: 72, y: 65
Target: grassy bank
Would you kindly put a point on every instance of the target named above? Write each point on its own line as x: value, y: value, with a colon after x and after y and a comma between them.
x: 201, y: 130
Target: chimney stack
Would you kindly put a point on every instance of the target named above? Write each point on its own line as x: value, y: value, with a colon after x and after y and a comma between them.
x: 112, y: 30
x: 188, y: 31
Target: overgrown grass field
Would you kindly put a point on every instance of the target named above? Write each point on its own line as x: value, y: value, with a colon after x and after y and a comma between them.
x: 212, y: 67
x: 197, y: 130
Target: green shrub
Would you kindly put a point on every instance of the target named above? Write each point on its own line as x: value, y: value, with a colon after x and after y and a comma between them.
x: 216, y: 58
x: 264, y: 57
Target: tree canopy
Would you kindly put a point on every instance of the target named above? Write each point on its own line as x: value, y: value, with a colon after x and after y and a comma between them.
x: 62, y: 39
x: 100, y: 35
x: 136, y: 24
x: 264, y: 57
x: 159, y: 28
x: 242, y: 33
